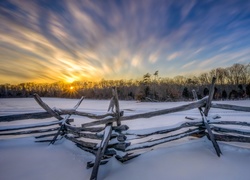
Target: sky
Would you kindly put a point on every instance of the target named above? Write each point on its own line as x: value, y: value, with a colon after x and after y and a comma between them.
x: 74, y: 40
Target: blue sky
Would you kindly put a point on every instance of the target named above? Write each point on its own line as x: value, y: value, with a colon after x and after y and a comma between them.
x: 47, y: 41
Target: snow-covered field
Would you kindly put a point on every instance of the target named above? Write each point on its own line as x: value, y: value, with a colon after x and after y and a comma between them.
x: 23, y: 159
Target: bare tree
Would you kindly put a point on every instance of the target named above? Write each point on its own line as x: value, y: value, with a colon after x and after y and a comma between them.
x: 236, y: 73
x: 180, y: 80
x: 204, y: 79
x: 221, y: 75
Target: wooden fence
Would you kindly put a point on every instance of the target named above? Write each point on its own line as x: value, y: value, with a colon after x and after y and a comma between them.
x: 106, y: 137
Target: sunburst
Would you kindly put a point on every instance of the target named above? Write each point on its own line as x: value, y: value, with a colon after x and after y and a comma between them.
x: 71, y: 91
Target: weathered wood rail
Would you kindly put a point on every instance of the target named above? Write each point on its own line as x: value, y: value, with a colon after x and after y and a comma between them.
x: 106, y: 136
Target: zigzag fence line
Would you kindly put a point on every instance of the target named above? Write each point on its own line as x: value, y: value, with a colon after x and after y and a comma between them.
x: 106, y: 137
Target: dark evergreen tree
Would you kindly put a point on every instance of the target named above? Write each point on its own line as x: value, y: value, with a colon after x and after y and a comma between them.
x: 147, y: 91
x: 248, y: 90
x: 241, y: 92
x: 224, y: 94
x: 215, y: 93
x: 240, y: 86
x: 185, y: 93
x: 233, y: 94
x: 205, y: 92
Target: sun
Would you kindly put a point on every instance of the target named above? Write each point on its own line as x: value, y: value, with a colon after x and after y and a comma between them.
x: 71, y: 91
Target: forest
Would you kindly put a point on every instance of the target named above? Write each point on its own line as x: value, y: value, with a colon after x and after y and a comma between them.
x: 231, y: 83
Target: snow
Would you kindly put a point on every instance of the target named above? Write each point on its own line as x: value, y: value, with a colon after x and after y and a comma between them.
x: 23, y: 159
x: 30, y: 125
x: 192, y: 160
x: 188, y: 158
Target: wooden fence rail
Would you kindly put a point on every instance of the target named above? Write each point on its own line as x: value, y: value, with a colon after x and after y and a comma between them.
x: 104, y: 139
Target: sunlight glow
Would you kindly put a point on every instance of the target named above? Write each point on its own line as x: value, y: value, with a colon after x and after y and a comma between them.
x: 100, y: 45
x: 70, y: 79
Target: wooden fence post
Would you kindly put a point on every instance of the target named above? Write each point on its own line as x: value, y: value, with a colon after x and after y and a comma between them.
x: 101, y: 150
x: 56, y: 115
x: 46, y: 107
x: 210, y: 97
x: 117, y: 108
x: 205, y: 121
x: 62, y: 128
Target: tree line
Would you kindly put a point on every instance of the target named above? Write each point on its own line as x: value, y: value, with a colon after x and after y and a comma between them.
x: 232, y: 83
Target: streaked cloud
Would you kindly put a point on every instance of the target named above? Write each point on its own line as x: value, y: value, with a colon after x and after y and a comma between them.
x: 48, y: 41
x: 173, y: 56
x: 189, y: 64
x: 153, y: 57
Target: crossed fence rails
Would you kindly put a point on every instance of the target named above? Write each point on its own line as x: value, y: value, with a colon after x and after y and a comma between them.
x: 106, y: 136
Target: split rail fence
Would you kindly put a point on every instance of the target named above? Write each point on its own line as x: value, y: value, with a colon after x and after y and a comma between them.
x: 106, y: 136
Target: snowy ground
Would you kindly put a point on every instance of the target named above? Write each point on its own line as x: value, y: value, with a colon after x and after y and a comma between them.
x: 23, y: 159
